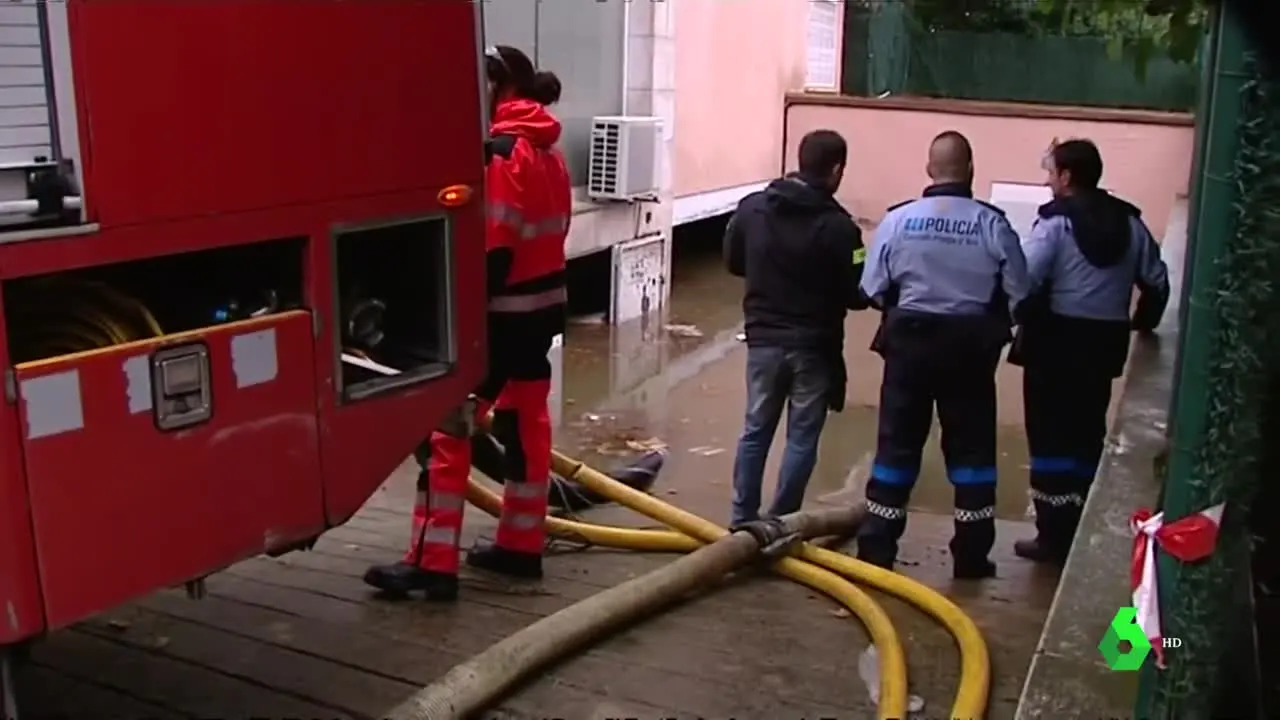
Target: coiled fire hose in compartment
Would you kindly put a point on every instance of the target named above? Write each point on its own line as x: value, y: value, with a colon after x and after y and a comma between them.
x: 491, y: 674
x: 59, y: 316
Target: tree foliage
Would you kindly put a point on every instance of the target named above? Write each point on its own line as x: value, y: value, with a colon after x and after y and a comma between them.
x: 1134, y: 29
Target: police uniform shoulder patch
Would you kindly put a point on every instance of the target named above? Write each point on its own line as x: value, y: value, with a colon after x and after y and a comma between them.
x: 998, y: 210
x: 499, y: 146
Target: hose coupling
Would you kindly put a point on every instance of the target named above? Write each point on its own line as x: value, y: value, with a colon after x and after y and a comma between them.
x: 771, y: 534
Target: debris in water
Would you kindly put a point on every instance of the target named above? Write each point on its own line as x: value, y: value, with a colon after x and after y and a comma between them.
x: 841, y: 612
x: 869, y: 671
x: 706, y: 450
x: 740, y: 337
x: 688, y: 331
x: 592, y: 319
x: 118, y: 625
x: 652, y: 443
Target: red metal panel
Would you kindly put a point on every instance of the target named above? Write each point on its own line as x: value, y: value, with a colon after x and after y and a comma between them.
x: 21, y: 614
x: 121, y: 508
x: 203, y: 106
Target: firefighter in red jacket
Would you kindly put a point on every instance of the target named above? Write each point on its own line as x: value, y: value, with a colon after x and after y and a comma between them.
x: 528, y: 194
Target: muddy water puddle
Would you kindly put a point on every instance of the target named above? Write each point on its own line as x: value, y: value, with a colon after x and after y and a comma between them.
x: 677, y: 381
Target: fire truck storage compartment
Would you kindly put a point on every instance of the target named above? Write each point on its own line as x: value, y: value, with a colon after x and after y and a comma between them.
x: 394, y: 320
x: 91, y: 308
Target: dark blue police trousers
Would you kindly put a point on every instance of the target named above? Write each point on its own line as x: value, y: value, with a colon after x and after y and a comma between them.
x: 948, y: 364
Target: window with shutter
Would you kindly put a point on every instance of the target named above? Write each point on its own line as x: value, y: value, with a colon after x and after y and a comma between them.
x: 25, y: 132
x: 822, y: 46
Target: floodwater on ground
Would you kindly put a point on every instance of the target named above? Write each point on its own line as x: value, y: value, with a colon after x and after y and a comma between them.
x: 678, y: 380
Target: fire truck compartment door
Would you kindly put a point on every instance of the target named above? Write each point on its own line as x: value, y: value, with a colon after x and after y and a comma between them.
x: 125, y: 502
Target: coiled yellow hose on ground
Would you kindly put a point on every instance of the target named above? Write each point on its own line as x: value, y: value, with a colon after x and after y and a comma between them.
x: 816, y: 567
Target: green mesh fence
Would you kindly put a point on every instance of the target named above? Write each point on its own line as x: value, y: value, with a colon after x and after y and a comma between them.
x: 888, y: 51
x: 1229, y: 349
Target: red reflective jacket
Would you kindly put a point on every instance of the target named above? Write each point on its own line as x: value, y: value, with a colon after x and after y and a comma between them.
x: 529, y: 202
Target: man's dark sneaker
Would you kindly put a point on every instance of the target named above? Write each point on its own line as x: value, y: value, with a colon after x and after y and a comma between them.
x: 401, y: 579
x: 1035, y: 551
x: 525, y: 566
x: 974, y: 569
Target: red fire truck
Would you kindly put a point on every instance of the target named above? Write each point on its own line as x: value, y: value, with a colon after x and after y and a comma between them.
x: 207, y: 205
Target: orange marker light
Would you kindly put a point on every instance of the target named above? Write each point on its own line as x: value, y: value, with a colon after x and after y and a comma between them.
x: 455, y: 196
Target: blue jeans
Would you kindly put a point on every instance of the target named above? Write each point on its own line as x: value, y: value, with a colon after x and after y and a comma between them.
x: 800, y: 380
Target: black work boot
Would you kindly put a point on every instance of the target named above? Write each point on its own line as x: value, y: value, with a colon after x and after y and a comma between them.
x: 880, y: 560
x: 402, y: 578
x: 973, y: 569
x: 494, y: 559
x: 1038, y: 551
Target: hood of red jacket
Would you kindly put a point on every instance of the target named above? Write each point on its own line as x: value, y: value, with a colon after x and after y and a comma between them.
x: 527, y: 119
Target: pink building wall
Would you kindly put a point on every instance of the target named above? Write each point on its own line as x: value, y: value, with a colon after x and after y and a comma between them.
x: 1146, y: 155
x: 735, y: 62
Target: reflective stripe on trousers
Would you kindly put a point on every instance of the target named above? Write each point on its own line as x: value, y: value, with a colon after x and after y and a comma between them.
x: 511, y: 218
x: 529, y: 302
x: 524, y: 499
x: 440, y: 503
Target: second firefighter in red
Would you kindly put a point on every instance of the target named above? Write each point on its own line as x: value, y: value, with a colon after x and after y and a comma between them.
x: 529, y: 202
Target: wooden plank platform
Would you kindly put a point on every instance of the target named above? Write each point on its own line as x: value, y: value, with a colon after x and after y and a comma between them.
x: 302, y: 637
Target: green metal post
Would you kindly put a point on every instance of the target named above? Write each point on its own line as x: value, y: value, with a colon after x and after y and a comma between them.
x: 1208, y: 73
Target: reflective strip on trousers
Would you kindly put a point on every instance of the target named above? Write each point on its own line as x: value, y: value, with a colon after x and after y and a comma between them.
x: 437, y: 535
x: 1060, y: 500
x: 529, y: 302
x: 986, y: 513
x: 446, y: 501
x: 886, y: 512
x: 524, y: 490
x: 512, y: 219
x: 522, y: 521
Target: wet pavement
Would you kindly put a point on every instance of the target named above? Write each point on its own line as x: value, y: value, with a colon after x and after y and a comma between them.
x: 301, y: 637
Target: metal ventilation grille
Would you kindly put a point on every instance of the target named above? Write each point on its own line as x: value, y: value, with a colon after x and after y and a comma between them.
x: 605, y: 157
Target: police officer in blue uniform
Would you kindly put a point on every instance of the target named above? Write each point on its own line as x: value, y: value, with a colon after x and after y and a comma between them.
x: 947, y: 272
x: 1086, y: 252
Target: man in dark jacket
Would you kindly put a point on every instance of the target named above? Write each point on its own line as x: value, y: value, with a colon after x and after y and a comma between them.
x: 1086, y: 253
x: 801, y: 254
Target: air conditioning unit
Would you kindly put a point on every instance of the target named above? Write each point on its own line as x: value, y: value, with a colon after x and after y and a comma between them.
x: 623, y: 159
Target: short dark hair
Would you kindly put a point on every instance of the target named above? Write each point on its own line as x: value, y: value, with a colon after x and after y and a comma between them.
x: 1082, y: 159
x: 821, y: 151
x: 956, y: 142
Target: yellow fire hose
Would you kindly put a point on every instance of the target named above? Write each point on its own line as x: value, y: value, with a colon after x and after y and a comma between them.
x: 93, y: 315
x: 473, y: 686
x: 813, y: 566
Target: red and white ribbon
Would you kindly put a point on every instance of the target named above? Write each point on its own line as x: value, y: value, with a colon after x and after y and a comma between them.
x: 1189, y: 539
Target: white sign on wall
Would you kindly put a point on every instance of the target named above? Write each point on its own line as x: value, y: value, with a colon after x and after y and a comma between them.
x: 822, y: 45
x: 1020, y: 201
